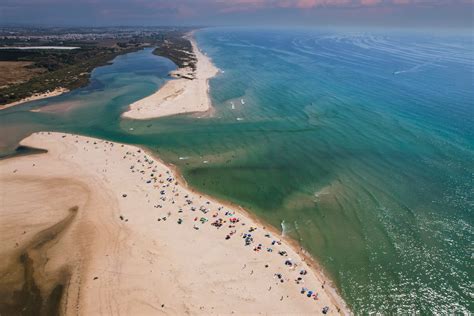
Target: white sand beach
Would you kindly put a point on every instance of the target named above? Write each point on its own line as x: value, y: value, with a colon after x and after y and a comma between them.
x: 38, y: 96
x: 133, y: 239
x: 179, y: 96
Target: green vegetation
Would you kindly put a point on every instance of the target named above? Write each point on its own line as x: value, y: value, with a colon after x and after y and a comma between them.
x: 178, y: 49
x: 71, y: 69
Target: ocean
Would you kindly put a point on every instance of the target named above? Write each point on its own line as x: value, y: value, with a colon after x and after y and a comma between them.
x: 357, y: 143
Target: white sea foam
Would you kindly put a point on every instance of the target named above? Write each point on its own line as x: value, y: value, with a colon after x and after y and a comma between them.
x: 284, y: 228
x: 415, y: 68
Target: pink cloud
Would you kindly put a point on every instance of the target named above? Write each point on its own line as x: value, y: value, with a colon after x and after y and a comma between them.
x: 252, y: 5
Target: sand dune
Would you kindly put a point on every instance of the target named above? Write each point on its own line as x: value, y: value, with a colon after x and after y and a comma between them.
x: 111, y: 230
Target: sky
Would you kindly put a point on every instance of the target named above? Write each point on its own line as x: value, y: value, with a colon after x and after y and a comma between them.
x: 391, y: 13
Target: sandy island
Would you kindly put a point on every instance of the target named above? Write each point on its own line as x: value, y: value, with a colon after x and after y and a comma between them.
x: 104, y: 228
x: 38, y: 96
x: 188, y: 94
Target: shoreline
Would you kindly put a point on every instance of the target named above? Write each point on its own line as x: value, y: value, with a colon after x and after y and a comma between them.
x: 110, y: 165
x: 187, y: 93
x: 312, y: 262
x: 39, y: 96
x: 94, y: 188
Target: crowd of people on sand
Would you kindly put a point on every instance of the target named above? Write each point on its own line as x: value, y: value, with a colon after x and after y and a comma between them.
x: 204, y: 211
x: 220, y: 217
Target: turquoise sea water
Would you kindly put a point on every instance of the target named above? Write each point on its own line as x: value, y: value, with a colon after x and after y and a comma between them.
x: 358, y: 144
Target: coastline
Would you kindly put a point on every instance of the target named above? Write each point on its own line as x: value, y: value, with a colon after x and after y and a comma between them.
x: 306, y: 257
x: 34, y: 97
x: 94, y: 179
x: 212, y: 270
x: 187, y: 93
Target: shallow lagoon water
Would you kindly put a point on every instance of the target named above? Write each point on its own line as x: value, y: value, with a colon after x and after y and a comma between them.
x: 357, y: 144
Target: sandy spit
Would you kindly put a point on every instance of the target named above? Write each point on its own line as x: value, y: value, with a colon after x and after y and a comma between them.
x: 179, y: 96
x: 109, y: 229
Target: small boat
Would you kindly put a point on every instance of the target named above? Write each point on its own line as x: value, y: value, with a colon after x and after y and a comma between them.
x: 183, y: 158
x: 233, y: 106
x: 239, y: 119
x: 242, y: 101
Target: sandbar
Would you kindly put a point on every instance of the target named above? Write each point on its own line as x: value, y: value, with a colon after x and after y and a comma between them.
x: 187, y: 94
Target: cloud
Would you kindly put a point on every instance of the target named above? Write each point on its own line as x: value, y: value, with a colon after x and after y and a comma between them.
x: 217, y: 11
x: 230, y: 6
x: 223, y: 5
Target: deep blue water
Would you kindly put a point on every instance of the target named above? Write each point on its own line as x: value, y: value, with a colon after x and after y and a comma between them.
x: 357, y: 143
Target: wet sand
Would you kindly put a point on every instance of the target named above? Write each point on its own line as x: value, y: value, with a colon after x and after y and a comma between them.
x: 108, y: 229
